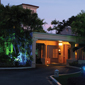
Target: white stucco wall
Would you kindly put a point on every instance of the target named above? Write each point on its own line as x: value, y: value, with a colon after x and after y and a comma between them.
x: 33, y: 8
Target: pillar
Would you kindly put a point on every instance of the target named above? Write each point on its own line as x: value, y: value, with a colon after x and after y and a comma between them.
x: 45, y: 51
x: 47, y: 59
x: 33, y: 53
x: 66, y: 52
x: 72, y: 54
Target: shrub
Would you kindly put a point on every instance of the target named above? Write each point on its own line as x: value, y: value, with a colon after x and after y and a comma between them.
x: 28, y: 63
x: 76, y: 81
x: 75, y: 63
x: 5, y: 60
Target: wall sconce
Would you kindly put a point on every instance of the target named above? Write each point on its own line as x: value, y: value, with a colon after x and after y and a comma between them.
x: 60, y: 44
x: 59, y: 50
x: 47, y: 63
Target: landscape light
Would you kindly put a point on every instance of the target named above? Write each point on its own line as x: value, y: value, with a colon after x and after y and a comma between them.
x: 83, y: 71
x: 83, y: 68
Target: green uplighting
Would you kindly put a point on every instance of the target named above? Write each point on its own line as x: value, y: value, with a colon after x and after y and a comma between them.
x: 7, y: 51
x: 9, y: 47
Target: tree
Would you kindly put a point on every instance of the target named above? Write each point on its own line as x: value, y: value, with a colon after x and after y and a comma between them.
x: 59, y: 26
x: 78, y: 26
x: 13, y: 20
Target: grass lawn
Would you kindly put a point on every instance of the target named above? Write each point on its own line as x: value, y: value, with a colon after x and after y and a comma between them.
x: 74, y: 77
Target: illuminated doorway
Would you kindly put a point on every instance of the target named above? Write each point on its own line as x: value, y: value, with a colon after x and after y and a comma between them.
x: 52, y: 53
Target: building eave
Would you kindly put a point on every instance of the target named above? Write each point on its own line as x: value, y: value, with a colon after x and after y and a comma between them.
x: 29, y: 5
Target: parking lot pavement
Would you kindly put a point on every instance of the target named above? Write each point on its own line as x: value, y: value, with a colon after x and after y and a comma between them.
x: 38, y: 76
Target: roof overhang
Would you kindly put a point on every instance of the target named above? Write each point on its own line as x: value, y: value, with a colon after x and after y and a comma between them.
x: 56, y: 37
x: 29, y: 5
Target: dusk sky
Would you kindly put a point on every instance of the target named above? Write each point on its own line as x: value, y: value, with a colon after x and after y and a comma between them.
x: 52, y: 9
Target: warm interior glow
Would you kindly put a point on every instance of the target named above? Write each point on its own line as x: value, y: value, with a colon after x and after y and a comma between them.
x: 60, y: 41
x: 46, y: 42
x: 60, y: 44
x: 75, y: 53
x: 76, y: 45
x: 55, y: 53
x: 66, y: 43
x: 59, y: 50
x: 47, y: 65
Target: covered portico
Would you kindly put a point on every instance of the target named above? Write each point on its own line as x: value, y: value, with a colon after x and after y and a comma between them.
x: 52, y: 40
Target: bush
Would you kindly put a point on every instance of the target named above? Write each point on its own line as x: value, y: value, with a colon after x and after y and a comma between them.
x: 5, y: 60
x: 76, y: 81
x: 16, y: 63
x: 28, y: 63
x: 75, y: 63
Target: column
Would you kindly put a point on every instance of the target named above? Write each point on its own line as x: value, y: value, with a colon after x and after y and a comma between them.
x: 66, y: 52
x: 33, y: 53
x: 45, y: 51
x: 72, y: 53
x: 47, y: 59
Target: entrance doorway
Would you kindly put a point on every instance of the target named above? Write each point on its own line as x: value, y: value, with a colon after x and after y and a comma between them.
x: 52, y: 53
x: 40, y: 52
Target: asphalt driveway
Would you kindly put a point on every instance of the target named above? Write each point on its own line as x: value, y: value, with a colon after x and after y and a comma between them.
x: 38, y: 76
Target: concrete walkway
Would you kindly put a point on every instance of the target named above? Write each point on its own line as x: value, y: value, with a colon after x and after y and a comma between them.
x: 38, y: 76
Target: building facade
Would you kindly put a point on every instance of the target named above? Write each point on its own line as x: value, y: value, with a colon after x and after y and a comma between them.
x: 31, y: 7
x: 54, y: 48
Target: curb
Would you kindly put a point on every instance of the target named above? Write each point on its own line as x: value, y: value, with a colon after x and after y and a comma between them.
x: 69, y: 73
x: 14, y: 68
x: 73, y: 67
x: 54, y: 80
x: 58, y: 83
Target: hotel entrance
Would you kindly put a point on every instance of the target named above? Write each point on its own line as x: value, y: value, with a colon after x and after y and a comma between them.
x: 52, y: 52
x: 54, y: 44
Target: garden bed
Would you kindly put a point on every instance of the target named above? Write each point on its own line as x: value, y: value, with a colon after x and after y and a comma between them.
x: 72, y: 79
